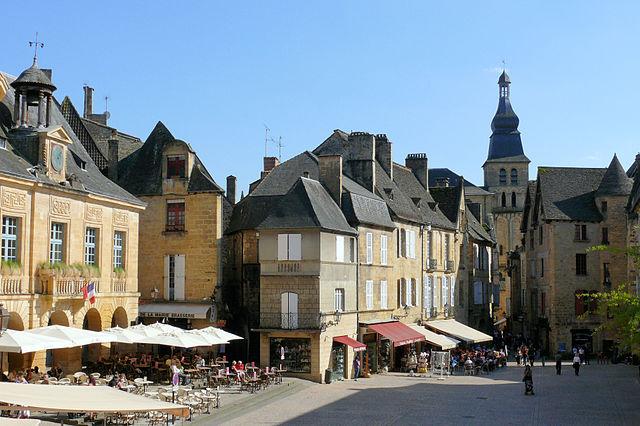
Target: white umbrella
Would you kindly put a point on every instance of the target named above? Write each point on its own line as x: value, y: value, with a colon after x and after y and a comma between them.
x: 165, y: 328
x: 179, y: 340
x: 16, y: 341
x: 125, y: 335
x: 218, y: 332
x: 77, y: 336
x: 145, y: 330
x: 209, y: 337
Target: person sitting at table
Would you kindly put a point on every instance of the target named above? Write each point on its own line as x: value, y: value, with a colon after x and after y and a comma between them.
x: 122, y: 382
x: 114, y: 381
x: 199, y: 361
x: 239, y: 372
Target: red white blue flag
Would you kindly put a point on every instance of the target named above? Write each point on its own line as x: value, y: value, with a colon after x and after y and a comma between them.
x: 89, y: 292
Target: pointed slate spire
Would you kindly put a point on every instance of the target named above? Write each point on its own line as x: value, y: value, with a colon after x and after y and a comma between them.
x: 615, y: 180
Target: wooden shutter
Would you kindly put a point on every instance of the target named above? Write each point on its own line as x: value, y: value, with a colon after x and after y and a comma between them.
x: 383, y: 294
x: 383, y: 249
x: 295, y: 246
x: 283, y: 251
x: 180, y: 276
x: 369, y: 247
x: 339, y: 248
x: 166, y: 277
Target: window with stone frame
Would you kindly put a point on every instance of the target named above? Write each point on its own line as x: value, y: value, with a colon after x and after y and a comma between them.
x: 514, y: 177
x: 580, y: 233
x: 503, y: 176
x: 9, y: 251
x: 56, y: 243
x: 514, y: 200
x: 338, y: 299
x: 541, y: 234
x: 581, y: 264
x: 175, y: 215
x: 369, y: 294
x: 118, y: 250
x: 383, y: 295
x: 176, y: 166
x: 90, y: 246
x: 605, y: 236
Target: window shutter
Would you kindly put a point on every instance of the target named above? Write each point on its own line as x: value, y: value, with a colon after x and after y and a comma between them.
x: 414, y: 292
x: 295, y: 246
x: 339, y: 248
x: 453, y: 292
x: 166, y: 277
x: 428, y: 298
x: 369, y: 294
x: 407, y: 244
x: 180, y: 276
x: 407, y: 296
x: 445, y: 289
x: 383, y: 295
x: 369, y: 242
x: 283, y: 247
x: 383, y: 249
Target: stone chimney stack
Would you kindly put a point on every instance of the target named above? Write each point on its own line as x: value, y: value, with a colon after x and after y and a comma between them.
x: 269, y: 163
x: 231, y: 189
x: 88, y: 101
x: 419, y: 165
x: 383, y: 153
x: 362, y: 159
x: 113, y: 156
x: 331, y: 176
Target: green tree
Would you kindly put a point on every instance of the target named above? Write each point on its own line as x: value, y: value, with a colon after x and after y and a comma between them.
x: 620, y: 306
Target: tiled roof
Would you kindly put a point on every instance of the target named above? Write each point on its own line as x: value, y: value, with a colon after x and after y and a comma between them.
x: 615, y: 180
x: 92, y: 180
x: 569, y: 193
x: 141, y: 172
x: 476, y: 230
x: 448, y: 200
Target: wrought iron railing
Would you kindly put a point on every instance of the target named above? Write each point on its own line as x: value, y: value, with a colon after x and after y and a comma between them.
x: 289, y: 321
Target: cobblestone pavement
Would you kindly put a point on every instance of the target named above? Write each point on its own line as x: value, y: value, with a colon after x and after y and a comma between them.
x: 601, y: 395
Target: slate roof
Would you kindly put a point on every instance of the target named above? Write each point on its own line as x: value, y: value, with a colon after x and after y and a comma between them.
x: 362, y: 206
x: 454, y: 178
x: 476, y: 230
x: 448, y: 199
x: 33, y: 76
x: 95, y: 136
x: 568, y: 193
x: 141, y: 172
x: 615, y: 180
x: 14, y: 163
x: 307, y: 205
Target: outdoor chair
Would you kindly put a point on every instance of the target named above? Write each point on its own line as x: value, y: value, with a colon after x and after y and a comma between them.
x: 64, y: 381
x: 468, y: 370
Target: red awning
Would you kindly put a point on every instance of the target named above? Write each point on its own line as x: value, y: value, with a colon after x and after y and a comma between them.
x: 346, y: 340
x: 399, y: 333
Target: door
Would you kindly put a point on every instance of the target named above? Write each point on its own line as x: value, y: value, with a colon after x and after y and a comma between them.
x: 289, y: 310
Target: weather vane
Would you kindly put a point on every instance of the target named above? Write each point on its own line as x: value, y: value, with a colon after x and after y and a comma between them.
x: 35, y: 44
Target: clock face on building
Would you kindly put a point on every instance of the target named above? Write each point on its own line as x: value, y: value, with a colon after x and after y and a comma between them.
x: 57, y: 157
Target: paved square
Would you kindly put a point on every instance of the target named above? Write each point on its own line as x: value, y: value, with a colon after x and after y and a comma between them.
x: 601, y: 395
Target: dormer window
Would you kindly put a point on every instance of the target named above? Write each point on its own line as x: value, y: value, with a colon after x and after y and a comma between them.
x: 176, y: 166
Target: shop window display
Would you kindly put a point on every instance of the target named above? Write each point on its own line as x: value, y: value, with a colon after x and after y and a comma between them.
x: 297, y: 354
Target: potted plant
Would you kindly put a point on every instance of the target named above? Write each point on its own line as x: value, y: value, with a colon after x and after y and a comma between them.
x: 10, y: 267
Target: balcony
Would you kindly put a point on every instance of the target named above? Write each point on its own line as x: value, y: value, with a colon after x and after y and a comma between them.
x: 118, y: 285
x: 291, y: 267
x: 431, y: 312
x: 66, y: 286
x: 12, y: 284
x: 432, y: 264
x: 450, y: 265
x: 290, y: 321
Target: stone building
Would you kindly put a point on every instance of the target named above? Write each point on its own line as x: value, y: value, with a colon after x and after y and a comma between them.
x: 568, y: 211
x: 506, y: 175
x: 64, y: 225
x: 402, y: 249
x: 180, y: 230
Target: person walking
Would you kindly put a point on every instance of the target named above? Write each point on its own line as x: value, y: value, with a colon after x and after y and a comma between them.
x: 559, y: 363
x: 576, y: 364
x: 528, y: 380
x: 356, y: 367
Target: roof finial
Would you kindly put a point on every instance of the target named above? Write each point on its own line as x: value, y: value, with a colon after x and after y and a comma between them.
x: 504, y: 65
x: 35, y: 44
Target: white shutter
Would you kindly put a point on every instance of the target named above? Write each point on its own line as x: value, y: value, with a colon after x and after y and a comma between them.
x: 407, y: 243
x: 369, y: 247
x: 339, y: 248
x: 383, y: 249
x: 369, y: 294
x: 445, y: 287
x: 407, y: 298
x: 383, y: 295
x: 476, y: 261
x: 453, y: 292
x: 179, y: 276
x: 412, y: 244
x: 283, y: 251
x: 295, y: 246
x: 428, y: 298
x: 166, y: 277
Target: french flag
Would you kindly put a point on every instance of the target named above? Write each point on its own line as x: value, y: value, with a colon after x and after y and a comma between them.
x: 89, y: 292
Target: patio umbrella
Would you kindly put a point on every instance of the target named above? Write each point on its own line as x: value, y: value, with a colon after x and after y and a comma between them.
x: 77, y: 336
x: 218, y: 332
x: 179, y: 340
x: 16, y: 341
x: 145, y: 330
x: 209, y: 337
x: 125, y: 335
x: 165, y: 328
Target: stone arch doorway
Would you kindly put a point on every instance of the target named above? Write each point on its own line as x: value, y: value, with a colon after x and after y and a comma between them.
x: 92, y: 321
x: 119, y: 318
x: 58, y: 357
x: 17, y: 361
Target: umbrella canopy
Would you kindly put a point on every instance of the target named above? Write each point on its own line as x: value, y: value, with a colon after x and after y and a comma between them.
x: 16, y: 341
x: 126, y: 335
x: 179, y: 340
x: 220, y: 333
x: 145, y: 330
x: 209, y: 337
x: 165, y: 328
x: 77, y: 336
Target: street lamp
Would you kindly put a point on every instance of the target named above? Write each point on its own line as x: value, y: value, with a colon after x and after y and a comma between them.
x: 4, y: 318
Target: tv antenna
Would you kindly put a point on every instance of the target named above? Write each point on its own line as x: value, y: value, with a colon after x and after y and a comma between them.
x: 280, y: 145
x: 266, y: 137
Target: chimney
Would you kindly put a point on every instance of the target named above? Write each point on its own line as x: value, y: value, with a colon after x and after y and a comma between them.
x: 361, y: 159
x: 88, y: 101
x: 231, y: 189
x: 419, y: 165
x: 331, y: 176
x: 383, y: 154
x: 269, y: 163
x: 305, y: 174
x: 113, y: 156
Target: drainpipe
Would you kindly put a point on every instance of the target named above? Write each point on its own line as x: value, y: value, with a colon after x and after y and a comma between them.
x: 357, y: 259
x: 422, y: 272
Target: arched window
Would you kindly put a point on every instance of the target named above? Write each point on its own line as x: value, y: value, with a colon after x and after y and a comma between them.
x: 513, y: 199
x: 504, y: 200
x: 503, y: 177
x: 289, y: 310
x: 514, y: 177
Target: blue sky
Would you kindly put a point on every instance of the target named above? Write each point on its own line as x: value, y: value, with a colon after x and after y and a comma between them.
x: 423, y: 72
